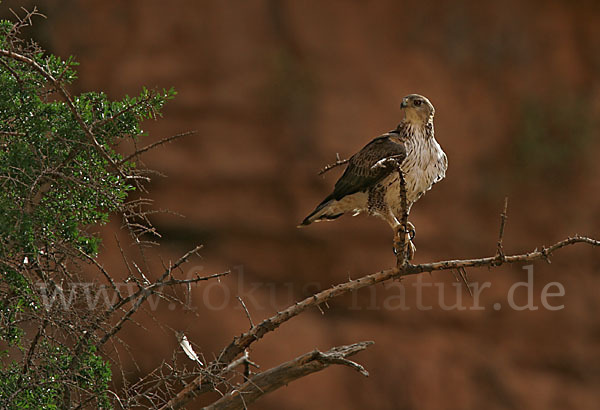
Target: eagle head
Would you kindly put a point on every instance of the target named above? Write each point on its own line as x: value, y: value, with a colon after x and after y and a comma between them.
x: 417, y: 108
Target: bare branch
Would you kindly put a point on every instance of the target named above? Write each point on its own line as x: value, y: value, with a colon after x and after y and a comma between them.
x: 242, y: 342
x: 104, y: 272
x: 400, y: 237
x: 243, y: 360
x: 145, y: 292
x: 246, y: 310
x: 197, y: 279
x: 337, y: 163
x: 285, y: 373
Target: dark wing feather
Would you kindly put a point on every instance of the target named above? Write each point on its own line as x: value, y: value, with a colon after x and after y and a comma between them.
x: 359, y: 174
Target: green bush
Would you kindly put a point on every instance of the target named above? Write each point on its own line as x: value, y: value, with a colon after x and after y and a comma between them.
x: 60, y: 174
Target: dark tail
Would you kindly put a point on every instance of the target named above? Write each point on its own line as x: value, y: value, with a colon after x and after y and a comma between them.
x: 320, y: 214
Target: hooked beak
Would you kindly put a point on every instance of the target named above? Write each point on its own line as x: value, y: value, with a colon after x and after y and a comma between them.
x: 404, y: 103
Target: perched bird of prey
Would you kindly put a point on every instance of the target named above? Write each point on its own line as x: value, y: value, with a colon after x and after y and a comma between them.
x: 371, y: 180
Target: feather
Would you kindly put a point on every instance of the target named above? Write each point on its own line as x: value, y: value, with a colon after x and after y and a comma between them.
x: 187, y: 348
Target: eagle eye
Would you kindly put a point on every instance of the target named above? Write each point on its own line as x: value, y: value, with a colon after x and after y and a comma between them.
x: 417, y: 103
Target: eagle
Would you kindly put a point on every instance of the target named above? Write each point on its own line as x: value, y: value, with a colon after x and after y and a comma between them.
x: 371, y: 181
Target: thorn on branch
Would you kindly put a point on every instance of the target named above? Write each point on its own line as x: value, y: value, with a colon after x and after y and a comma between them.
x: 499, y: 248
x: 461, y: 275
x: 321, y: 310
x: 546, y: 255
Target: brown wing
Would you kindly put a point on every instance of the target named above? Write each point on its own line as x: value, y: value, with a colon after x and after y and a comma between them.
x: 359, y: 174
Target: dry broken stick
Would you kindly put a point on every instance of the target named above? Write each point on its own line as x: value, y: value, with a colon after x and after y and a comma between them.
x: 246, y: 310
x: 285, y: 373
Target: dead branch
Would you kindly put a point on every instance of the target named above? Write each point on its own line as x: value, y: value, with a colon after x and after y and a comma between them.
x: 401, y: 246
x: 104, y: 272
x: 144, y: 292
x: 246, y: 310
x: 284, y: 374
x: 197, y: 279
x: 243, y: 360
x: 242, y: 342
x: 138, y: 298
x: 337, y: 163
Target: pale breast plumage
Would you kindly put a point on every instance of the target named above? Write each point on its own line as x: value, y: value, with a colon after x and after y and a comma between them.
x: 425, y: 164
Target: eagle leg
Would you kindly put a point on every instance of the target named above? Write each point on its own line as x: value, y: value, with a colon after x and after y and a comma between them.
x: 410, y: 233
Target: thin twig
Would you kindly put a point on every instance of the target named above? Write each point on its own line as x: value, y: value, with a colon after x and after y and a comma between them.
x: 503, y: 218
x: 337, y: 163
x: 104, y: 272
x: 154, y: 145
x: 247, y: 313
x: 143, y: 294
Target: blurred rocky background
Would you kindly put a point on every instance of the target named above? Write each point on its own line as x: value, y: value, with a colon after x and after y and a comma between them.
x: 274, y: 89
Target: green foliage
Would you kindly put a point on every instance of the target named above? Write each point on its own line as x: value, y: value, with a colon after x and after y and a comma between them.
x: 45, y: 386
x: 16, y: 299
x: 60, y: 174
x: 46, y: 149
